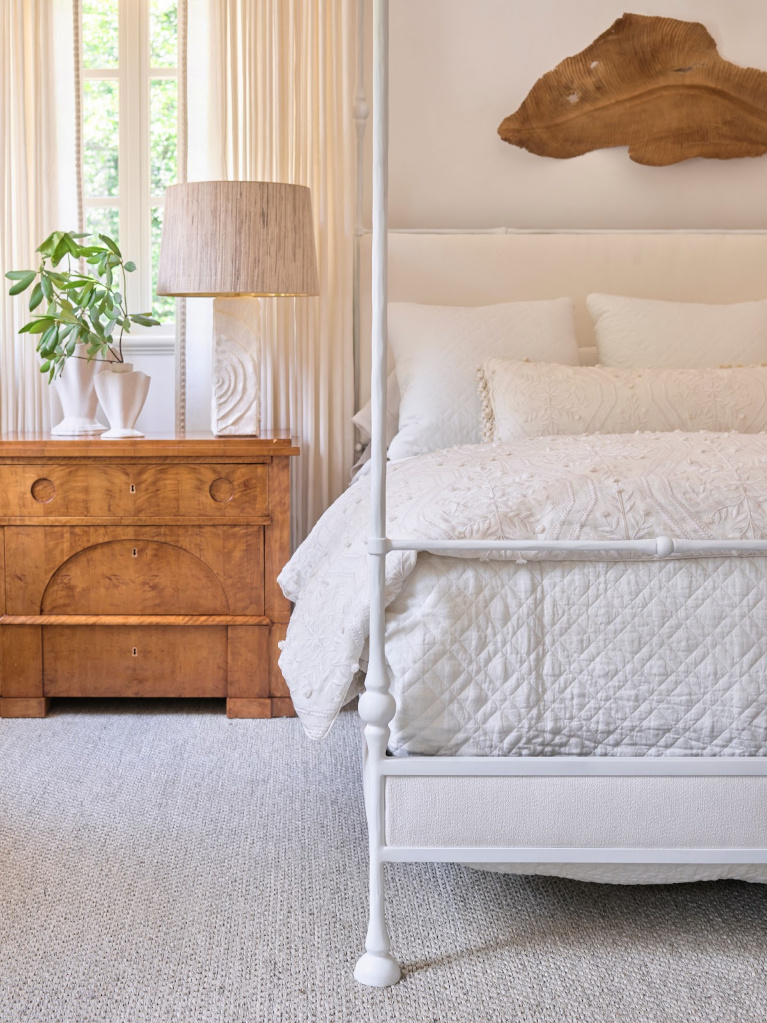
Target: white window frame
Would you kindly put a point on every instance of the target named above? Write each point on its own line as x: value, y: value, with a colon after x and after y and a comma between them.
x: 134, y: 200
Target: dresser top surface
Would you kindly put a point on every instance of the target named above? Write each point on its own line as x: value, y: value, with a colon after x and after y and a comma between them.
x: 153, y: 445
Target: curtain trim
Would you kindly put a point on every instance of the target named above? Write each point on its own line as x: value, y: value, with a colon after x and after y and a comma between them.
x: 78, y: 87
x: 183, y: 161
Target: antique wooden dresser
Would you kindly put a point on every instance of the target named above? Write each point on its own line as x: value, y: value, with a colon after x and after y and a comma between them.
x: 143, y: 568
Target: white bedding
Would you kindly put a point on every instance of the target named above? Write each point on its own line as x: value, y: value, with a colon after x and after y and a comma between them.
x: 568, y: 657
x: 580, y: 658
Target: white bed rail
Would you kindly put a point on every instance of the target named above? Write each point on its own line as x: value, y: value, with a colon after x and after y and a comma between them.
x: 377, y: 966
x: 659, y: 547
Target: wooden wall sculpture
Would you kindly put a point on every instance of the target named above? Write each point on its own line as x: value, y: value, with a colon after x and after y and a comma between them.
x: 656, y: 85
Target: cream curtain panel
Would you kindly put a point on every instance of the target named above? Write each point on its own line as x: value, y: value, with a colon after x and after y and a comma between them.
x: 28, y: 169
x: 286, y: 71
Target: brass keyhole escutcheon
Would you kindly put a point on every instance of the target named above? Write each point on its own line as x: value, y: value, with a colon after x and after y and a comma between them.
x: 43, y: 490
x: 135, y: 651
x: 133, y: 488
x: 135, y: 552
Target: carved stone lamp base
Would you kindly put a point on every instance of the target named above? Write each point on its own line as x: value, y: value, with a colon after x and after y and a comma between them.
x: 236, y: 402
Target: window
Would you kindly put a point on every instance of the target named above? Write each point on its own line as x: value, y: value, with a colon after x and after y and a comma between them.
x: 130, y: 132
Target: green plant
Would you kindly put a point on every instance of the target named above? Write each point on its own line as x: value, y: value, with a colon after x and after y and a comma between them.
x: 81, y: 307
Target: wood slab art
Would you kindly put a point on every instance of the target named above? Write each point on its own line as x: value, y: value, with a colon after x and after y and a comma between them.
x: 656, y: 85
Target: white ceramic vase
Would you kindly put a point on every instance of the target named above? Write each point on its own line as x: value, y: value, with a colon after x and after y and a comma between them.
x: 122, y: 392
x: 77, y: 394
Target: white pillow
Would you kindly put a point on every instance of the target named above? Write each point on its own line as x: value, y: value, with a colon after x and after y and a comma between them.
x: 529, y: 399
x: 647, y: 332
x: 363, y: 419
x: 438, y: 350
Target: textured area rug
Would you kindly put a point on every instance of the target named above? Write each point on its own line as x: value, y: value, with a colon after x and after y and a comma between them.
x: 161, y: 864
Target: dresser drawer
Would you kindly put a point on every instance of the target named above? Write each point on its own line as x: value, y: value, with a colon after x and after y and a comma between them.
x: 103, y: 490
x: 130, y: 570
x: 134, y: 661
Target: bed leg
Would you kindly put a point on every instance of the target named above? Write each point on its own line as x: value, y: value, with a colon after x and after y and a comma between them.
x: 377, y: 967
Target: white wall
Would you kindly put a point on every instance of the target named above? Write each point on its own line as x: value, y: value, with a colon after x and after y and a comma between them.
x: 458, y: 67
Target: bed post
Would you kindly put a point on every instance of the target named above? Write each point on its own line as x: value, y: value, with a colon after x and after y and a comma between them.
x: 377, y: 966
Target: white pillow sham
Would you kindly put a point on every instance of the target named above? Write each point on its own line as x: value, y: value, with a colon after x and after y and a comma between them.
x: 649, y: 332
x: 529, y: 399
x: 438, y: 349
x: 363, y: 419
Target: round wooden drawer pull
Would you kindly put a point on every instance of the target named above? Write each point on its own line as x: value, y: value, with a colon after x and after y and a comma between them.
x: 222, y: 490
x: 43, y: 491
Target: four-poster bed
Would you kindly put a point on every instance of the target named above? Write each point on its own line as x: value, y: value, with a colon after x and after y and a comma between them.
x: 656, y: 811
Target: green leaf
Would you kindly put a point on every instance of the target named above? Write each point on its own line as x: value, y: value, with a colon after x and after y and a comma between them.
x: 130, y: 266
x: 50, y: 243
x: 19, y: 275
x: 72, y: 247
x: 23, y: 282
x: 110, y: 245
x: 48, y: 339
x: 45, y: 366
x: 36, y: 326
x: 145, y: 320
x: 47, y: 287
x: 36, y: 297
x: 60, y: 251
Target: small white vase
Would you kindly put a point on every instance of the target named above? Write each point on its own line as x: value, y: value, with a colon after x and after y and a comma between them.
x: 122, y: 392
x: 77, y: 394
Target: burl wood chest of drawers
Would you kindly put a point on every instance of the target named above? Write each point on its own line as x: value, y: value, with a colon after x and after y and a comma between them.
x: 143, y: 568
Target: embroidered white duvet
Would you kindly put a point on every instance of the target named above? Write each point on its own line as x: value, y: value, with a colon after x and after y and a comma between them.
x: 564, y: 657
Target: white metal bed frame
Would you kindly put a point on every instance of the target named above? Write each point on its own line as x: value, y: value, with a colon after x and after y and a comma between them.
x: 377, y: 966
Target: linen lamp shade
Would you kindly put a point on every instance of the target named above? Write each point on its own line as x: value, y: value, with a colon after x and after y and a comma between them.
x: 231, y: 239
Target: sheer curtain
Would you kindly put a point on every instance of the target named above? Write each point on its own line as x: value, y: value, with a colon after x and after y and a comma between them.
x: 30, y: 200
x: 284, y: 74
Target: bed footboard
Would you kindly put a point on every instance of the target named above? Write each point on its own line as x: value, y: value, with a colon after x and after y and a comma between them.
x: 607, y: 818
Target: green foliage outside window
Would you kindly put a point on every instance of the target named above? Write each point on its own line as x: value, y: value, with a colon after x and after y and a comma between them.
x: 164, y: 306
x: 101, y: 124
x: 100, y: 40
x: 163, y: 33
x: 103, y: 220
x: 101, y: 135
x: 163, y: 133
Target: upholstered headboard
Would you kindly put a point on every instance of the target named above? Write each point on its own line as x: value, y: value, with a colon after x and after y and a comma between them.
x: 479, y: 268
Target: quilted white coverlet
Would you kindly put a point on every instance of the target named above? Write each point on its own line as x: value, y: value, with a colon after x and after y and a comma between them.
x: 595, y: 657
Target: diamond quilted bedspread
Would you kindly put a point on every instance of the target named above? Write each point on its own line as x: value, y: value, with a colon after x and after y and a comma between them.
x: 495, y: 655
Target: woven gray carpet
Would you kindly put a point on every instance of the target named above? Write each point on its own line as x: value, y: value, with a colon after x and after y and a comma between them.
x: 159, y: 863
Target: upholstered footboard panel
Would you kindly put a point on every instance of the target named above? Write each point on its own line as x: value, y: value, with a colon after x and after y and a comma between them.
x: 623, y: 812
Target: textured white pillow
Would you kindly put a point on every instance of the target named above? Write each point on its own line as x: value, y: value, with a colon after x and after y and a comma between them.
x: 438, y: 350
x: 529, y: 399
x: 363, y: 419
x: 647, y: 332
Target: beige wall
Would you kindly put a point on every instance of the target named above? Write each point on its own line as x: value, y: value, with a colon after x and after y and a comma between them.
x: 459, y: 66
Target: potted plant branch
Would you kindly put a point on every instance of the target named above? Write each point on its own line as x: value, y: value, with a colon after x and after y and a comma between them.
x: 80, y: 289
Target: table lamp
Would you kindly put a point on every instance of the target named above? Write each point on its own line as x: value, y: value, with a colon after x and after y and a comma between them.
x: 232, y: 240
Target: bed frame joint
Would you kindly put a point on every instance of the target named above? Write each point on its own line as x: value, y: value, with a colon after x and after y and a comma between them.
x: 379, y: 545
